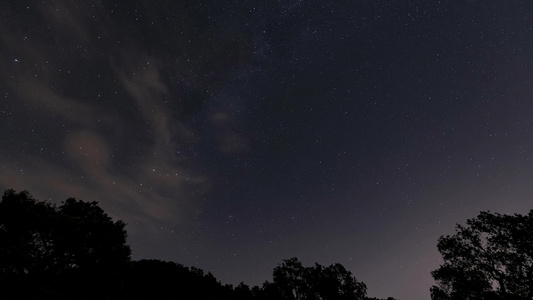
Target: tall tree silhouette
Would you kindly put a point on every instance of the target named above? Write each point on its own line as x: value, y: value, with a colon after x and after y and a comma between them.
x: 490, y: 258
x: 74, y: 250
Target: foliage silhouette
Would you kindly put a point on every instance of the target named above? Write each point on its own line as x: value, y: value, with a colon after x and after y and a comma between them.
x: 295, y: 282
x: 76, y: 251
x: 61, y: 252
x: 490, y: 258
x: 155, y: 279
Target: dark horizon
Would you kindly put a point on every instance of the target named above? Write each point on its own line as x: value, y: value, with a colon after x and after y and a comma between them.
x: 232, y: 135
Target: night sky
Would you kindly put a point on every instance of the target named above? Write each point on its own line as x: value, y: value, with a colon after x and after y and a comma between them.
x: 230, y: 135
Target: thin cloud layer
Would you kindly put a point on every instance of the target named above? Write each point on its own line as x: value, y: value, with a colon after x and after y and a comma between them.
x: 93, y: 158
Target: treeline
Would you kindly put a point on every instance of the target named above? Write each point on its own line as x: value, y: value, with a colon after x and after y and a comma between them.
x: 154, y: 279
x: 76, y: 251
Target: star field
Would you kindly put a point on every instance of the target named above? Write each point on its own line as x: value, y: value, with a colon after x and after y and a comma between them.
x: 230, y: 135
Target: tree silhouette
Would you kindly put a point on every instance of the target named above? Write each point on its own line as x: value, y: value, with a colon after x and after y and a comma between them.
x: 292, y: 281
x: 243, y: 292
x: 290, y: 278
x: 335, y: 282
x: 490, y: 258
x: 74, y: 250
x: 156, y: 279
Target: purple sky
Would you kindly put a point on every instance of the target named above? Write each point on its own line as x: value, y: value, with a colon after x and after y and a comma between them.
x: 230, y: 135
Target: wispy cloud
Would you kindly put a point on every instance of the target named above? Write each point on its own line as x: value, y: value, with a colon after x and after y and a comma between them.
x: 154, y: 184
x: 157, y: 191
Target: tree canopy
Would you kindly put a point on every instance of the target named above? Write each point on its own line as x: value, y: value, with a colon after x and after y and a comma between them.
x: 74, y: 250
x: 292, y: 281
x: 490, y: 258
x: 58, y: 250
